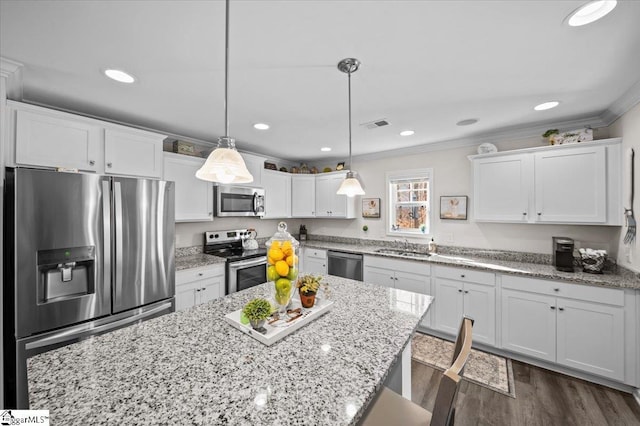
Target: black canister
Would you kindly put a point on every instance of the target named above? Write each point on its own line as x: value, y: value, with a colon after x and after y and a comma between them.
x: 563, y: 254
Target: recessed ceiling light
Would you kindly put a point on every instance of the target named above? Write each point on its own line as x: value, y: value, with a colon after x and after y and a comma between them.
x: 119, y: 75
x: 546, y: 105
x: 590, y: 12
x: 325, y: 149
x: 407, y: 133
x: 467, y: 122
x: 261, y: 126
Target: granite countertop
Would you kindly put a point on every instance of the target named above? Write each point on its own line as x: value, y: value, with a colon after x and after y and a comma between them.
x: 196, y: 260
x: 191, y: 367
x: 623, y: 279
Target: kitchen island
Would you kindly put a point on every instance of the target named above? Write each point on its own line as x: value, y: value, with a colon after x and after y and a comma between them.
x: 192, y: 367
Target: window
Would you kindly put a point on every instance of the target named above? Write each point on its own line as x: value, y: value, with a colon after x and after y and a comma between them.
x: 409, y: 202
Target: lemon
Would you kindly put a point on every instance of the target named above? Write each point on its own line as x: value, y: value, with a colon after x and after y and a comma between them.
x: 287, y: 248
x: 292, y: 260
x: 272, y: 274
x: 276, y: 254
x: 282, y: 268
x: 276, y: 245
x: 270, y: 261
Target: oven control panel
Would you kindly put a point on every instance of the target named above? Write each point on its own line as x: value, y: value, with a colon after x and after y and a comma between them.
x: 216, y: 237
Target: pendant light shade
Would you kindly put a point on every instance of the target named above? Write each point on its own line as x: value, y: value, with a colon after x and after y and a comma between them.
x: 351, y: 185
x: 225, y: 164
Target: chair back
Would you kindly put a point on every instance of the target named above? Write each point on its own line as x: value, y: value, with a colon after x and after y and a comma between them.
x: 443, y: 410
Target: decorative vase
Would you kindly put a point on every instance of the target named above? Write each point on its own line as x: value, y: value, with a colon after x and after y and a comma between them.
x: 257, y: 324
x: 282, y: 266
x: 307, y: 299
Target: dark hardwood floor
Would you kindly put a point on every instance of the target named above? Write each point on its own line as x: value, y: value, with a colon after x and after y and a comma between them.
x: 543, y: 397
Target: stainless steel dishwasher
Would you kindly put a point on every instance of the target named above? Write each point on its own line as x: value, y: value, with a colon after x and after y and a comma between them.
x: 345, y: 265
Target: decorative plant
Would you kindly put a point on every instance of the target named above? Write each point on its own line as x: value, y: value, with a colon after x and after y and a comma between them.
x: 309, y: 284
x: 550, y: 132
x: 257, y: 309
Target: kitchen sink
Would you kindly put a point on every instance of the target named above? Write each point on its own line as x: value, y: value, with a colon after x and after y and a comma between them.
x: 406, y: 253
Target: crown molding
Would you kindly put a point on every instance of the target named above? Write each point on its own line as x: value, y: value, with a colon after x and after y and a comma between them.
x: 500, y: 135
x: 8, y: 67
x: 624, y: 103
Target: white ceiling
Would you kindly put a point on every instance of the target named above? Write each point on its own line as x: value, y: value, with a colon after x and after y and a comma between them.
x: 426, y: 66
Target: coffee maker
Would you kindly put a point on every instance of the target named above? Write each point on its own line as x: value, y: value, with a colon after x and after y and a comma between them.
x: 563, y: 254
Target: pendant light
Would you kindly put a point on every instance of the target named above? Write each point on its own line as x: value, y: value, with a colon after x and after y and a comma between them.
x: 225, y: 164
x: 351, y: 185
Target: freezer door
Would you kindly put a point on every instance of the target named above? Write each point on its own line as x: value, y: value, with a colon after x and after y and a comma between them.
x: 59, y: 236
x: 144, y: 242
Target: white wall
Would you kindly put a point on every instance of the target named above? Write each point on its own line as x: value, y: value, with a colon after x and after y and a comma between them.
x: 451, y: 175
x: 628, y: 128
x: 191, y: 234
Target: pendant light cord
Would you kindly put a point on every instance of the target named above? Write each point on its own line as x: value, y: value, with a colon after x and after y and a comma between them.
x: 349, y: 74
x: 226, y: 71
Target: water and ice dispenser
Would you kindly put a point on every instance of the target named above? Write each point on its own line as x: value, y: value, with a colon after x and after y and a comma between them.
x: 65, y: 273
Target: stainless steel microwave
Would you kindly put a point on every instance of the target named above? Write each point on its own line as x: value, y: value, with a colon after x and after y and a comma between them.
x: 238, y: 201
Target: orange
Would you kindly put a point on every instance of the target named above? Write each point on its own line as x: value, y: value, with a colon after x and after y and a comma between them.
x: 270, y: 261
x: 282, y: 268
x: 292, y: 260
x: 276, y: 254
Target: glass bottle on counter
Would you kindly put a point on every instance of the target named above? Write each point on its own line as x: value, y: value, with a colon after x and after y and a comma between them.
x: 282, y: 265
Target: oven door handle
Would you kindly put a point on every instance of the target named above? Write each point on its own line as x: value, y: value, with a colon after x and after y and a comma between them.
x: 248, y: 263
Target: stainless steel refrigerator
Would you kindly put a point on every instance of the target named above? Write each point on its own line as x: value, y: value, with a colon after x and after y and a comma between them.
x: 84, y: 254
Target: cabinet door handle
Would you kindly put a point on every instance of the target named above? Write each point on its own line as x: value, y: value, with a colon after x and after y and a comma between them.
x: 91, y: 162
x: 210, y: 213
x: 524, y: 214
x: 561, y: 309
x: 552, y: 307
x: 200, y: 274
x: 459, y: 290
x: 539, y: 213
x: 396, y: 278
x: 461, y: 275
x: 109, y: 165
x: 466, y: 291
x: 197, y: 289
x: 390, y: 278
x: 556, y: 289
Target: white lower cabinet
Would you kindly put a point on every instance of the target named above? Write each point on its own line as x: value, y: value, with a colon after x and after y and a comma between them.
x: 315, y: 261
x: 400, y: 274
x: 461, y: 292
x: 587, y: 334
x: 199, y: 285
x: 194, y: 197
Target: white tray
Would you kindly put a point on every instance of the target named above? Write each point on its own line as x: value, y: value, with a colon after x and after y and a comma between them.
x: 280, y: 329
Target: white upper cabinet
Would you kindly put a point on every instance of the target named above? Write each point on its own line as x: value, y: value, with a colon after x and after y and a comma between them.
x: 49, y: 138
x: 303, y: 195
x: 57, y: 141
x: 133, y: 152
x: 577, y: 183
x: 255, y: 165
x: 277, y: 194
x: 194, y: 197
x: 512, y: 175
x: 570, y: 185
x: 330, y: 204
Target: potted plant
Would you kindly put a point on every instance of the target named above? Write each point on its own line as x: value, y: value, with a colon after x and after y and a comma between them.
x: 308, y: 286
x: 257, y: 311
x: 550, y: 135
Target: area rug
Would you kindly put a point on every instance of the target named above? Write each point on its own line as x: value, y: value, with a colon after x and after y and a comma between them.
x: 491, y: 371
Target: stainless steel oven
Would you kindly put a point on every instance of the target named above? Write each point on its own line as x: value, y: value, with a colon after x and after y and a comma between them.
x: 243, y: 274
x: 245, y: 268
x: 238, y: 201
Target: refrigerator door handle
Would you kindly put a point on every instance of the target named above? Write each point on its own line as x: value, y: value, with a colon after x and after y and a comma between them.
x: 106, y: 221
x: 117, y: 204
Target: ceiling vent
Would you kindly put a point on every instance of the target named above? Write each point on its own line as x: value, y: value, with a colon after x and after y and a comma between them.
x: 376, y: 123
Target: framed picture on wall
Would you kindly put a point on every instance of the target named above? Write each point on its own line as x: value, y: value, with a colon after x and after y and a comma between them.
x: 371, y: 208
x: 453, y: 207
